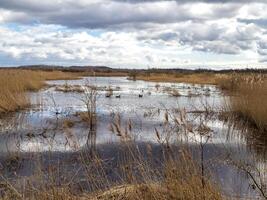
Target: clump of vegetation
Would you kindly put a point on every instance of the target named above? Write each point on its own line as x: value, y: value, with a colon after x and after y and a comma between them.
x: 85, y: 117
x: 175, y: 92
x: 68, y: 123
x: 171, y: 91
x: 132, y: 75
x: 181, y: 181
x: 248, y: 99
x: 109, y: 92
x: 69, y: 88
x: 157, y: 86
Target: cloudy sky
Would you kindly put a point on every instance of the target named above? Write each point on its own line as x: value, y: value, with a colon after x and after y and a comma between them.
x: 134, y: 33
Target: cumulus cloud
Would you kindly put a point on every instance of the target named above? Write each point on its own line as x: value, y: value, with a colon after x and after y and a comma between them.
x: 133, y: 32
x: 196, y: 1
x: 102, y: 14
x: 50, y: 43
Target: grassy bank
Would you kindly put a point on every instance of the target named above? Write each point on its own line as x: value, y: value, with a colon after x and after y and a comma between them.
x: 248, y: 98
x: 194, y: 78
x: 15, y: 83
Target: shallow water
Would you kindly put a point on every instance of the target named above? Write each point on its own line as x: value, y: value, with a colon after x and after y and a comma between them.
x: 39, y: 128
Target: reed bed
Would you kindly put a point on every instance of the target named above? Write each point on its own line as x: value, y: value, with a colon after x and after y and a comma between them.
x: 136, y: 173
x: 194, y: 78
x: 178, y: 179
x: 248, y: 98
x: 14, y: 85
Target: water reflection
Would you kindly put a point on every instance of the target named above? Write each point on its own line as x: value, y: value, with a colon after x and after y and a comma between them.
x: 41, y: 128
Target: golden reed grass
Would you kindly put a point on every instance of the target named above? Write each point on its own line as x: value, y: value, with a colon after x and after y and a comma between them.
x: 194, y: 78
x: 249, y: 97
x: 180, y: 179
x: 14, y: 85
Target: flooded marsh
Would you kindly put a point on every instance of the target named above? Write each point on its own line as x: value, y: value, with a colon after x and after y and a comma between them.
x: 98, y: 122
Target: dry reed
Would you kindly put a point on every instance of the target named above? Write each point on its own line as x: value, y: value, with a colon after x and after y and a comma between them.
x: 196, y: 78
x: 248, y: 98
x: 14, y: 85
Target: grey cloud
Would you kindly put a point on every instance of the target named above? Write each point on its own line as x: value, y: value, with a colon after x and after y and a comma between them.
x: 195, y: 1
x: 154, y: 22
x: 188, y: 33
x: 263, y: 60
x: 166, y: 36
x: 208, y: 37
x: 259, y: 22
x: 262, y: 49
x: 262, y: 52
x: 107, y: 14
x: 262, y: 45
x: 30, y: 5
x: 218, y: 47
x: 114, y: 16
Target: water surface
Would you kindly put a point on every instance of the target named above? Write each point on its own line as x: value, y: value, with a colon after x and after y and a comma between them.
x: 39, y: 128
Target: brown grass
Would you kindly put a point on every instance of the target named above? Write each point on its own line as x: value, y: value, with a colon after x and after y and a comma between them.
x: 68, y: 123
x: 85, y: 117
x: 174, y: 175
x: 248, y: 98
x: 182, y: 181
x: 197, y: 78
x: 15, y: 83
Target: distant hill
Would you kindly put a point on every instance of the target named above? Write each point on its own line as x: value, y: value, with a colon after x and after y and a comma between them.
x: 63, y: 68
x: 151, y: 70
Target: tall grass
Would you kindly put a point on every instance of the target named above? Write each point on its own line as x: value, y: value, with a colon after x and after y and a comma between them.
x: 14, y: 85
x: 178, y: 178
x: 135, y: 173
x: 248, y: 98
x: 195, y: 78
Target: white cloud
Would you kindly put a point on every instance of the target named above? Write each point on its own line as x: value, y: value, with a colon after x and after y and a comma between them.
x: 133, y: 33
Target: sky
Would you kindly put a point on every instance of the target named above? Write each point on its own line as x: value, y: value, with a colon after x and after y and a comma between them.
x: 134, y: 33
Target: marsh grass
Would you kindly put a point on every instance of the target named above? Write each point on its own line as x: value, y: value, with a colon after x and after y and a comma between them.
x: 171, y: 175
x: 68, y: 123
x: 248, y: 98
x: 180, y: 179
x: 177, y: 176
x: 14, y: 85
x: 196, y: 78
